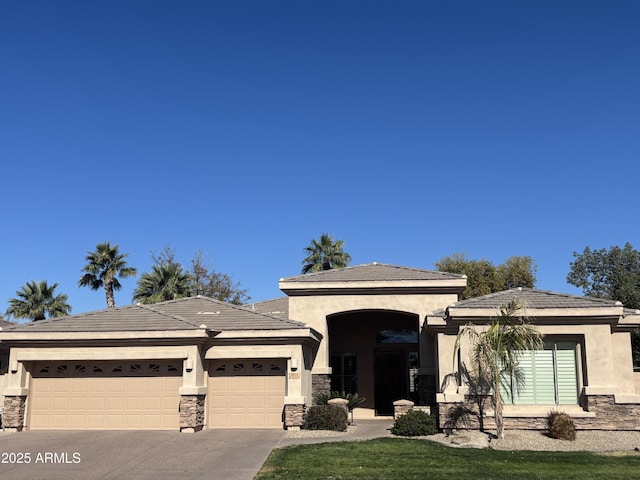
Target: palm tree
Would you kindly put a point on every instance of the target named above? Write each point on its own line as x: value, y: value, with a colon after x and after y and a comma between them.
x: 37, y: 301
x: 496, y: 352
x: 325, y: 254
x: 104, y: 266
x: 164, y: 282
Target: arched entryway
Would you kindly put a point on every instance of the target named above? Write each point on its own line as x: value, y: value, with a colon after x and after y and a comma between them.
x: 374, y: 353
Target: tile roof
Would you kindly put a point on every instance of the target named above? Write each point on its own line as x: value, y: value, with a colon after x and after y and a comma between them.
x: 373, y: 272
x: 277, y: 307
x: 182, y: 314
x: 538, y: 299
x: 4, y: 323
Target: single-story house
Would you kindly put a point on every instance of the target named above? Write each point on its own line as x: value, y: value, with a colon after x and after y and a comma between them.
x: 386, y: 332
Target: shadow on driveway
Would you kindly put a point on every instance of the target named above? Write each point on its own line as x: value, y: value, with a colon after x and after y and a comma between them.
x: 210, y: 454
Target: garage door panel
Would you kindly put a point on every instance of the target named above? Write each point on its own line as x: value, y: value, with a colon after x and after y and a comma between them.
x: 246, y: 393
x: 114, y: 403
x: 79, y: 386
x: 77, y: 422
x: 95, y: 398
x: 77, y: 404
x: 58, y: 403
x: 256, y: 402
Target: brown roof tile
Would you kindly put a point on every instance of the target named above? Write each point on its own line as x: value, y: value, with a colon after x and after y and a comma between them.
x: 372, y: 272
x: 538, y: 299
x: 183, y: 314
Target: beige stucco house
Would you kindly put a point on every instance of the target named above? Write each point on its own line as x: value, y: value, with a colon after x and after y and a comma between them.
x: 383, y: 331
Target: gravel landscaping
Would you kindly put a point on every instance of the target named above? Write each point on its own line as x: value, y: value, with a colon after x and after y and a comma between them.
x: 586, y: 440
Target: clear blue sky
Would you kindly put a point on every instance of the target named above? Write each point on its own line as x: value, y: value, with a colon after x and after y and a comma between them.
x: 411, y: 130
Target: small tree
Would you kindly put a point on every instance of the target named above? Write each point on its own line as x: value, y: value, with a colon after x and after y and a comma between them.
x: 104, y: 265
x: 221, y: 286
x: 495, y: 353
x: 164, y: 282
x: 168, y: 280
x: 612, y: 273
x: 483, y: 277
x: 38, y: 301
x: 325, y: 254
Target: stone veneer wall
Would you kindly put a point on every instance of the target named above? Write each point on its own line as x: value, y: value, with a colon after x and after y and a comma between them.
x: 320, y: 383
x: 293, y: 416
x: 191, y: 413
x: 14, y: 412
x: 608, y: 416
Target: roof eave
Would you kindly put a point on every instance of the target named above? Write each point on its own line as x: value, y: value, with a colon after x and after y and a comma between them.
x: 598, y: 312
x: 22, y: 336
x: 373, y: 286
x: 276, y: 333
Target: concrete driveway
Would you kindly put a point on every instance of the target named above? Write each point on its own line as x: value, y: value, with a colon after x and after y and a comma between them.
x: 210, y: 454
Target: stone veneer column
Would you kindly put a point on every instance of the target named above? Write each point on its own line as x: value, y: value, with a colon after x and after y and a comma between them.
x: 14, y: 411
x: 293, y: 416
x: 191, y: 413
x: 320, y: 384
x: 400, y: 407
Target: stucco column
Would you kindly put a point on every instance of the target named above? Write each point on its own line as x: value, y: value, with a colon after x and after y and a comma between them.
x: 193, y: 391
x: 601, y: 378
x: 447, y: 369
x: 15, y: 394
x: 294, y: 400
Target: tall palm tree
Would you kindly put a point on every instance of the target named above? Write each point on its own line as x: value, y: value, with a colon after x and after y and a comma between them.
x: 496, y: 352
x: 164, y: 282
x: 104, y: 266
x: 37, y: 301
x: 325, y: 254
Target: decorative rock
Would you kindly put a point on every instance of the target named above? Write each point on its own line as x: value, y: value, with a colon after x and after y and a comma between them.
x: 469, y: 439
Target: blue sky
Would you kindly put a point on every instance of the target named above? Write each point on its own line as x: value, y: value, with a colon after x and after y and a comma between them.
x: 411, y: 130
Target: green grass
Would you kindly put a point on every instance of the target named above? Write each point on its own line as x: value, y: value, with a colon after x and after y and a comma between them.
x: 407, y: 459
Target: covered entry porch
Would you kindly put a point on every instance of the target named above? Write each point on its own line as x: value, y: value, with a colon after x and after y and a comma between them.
x: 375, y: 353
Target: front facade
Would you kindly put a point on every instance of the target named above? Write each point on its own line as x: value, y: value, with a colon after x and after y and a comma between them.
x: 382, y: 331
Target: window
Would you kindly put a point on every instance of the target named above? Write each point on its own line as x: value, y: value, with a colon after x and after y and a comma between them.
x: 550, y: 376
x: 397, y: 336
x: 344, y: 376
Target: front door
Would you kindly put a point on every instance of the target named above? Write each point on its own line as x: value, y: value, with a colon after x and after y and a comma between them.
x: 390, y: 380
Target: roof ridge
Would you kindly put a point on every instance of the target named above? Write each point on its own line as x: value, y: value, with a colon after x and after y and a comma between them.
x: 169, y: 315
x: 375, y: 264
x: 246, y: 309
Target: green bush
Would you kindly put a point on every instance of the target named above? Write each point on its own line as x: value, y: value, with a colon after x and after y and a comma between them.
x: 325, y: 417
x: 353, y: 398
x: 415, y: 423
x: 561, y: 426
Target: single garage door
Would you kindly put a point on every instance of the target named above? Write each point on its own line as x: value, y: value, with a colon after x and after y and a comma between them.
x: 246, y: 393
x: 132, y: 395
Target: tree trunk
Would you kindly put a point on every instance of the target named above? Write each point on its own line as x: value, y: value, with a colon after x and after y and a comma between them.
x: 108, y: 290
x: 498, y: 413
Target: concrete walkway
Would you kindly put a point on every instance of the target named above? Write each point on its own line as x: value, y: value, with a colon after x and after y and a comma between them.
x: 364, y: 429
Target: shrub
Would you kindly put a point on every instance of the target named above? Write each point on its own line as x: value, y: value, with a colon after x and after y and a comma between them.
x: 325, y: 417
x: 561, y: 426
x: 415, y: 423
x: 353, y: 398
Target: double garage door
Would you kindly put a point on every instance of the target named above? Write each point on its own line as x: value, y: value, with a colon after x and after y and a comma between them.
x: 144, y: 395
x: 101, y: 395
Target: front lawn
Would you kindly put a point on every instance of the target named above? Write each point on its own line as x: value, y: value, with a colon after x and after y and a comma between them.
x: 406, y: 459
